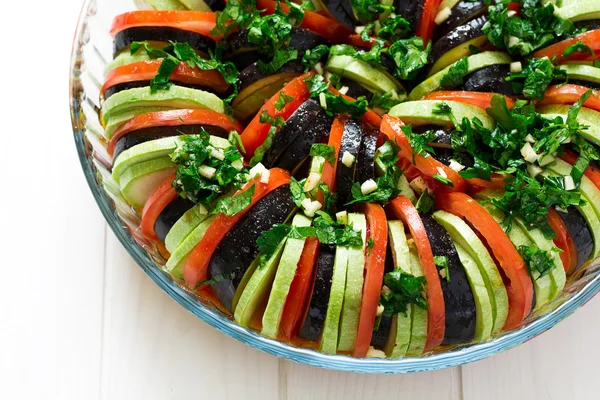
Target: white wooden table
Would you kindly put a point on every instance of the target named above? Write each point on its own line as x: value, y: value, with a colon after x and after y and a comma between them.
x: 79, y: 320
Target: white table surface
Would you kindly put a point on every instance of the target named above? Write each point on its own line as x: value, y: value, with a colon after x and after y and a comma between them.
x: 79, y: 320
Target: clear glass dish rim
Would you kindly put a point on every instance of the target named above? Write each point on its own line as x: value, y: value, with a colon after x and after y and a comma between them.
x: 437, y: 361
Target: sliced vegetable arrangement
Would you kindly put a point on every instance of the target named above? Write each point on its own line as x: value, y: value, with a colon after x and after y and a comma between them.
x: 375, y: 178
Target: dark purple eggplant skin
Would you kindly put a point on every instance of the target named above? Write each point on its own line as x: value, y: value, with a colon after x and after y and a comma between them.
x: 243, y: 53
x: 299, y: 123
x: 161, y: 34
x: 382, y: 333
x: 171, y: 214
x: 342, y: 11
x: 590, y: 25
x: 137, y: 84
x: 458, y: 296
x: 147, y: 134
x: 253, y: 74
x: 351, y: 140
x: 365, y: 169
x: 355, y: 89
x: 580, y: 232
x: 312, y: 327
x: 411, y: 10
x: 462, y: 34
x: 462, y: 12
x: 215, y: 5
x: 489, y: 79
x: 238, y: 249
x: 311, y: 130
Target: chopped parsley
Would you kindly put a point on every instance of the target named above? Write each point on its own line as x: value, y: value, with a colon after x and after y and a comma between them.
x: 332, y: 103
x: 420, y: 142
x: 533, y: 28
x: 580, y: 48
x: 410, y: 57
x: 313, y: 56
x: 276, y: 123
x: 237, y: 14
x: 370, y: 244
x: 203, y: 178
x: 175, y: 53
x: 442, y: 262
x: 456, y: 73
x: 538, y: 261
x: 426, y: 203
x: 325, y: 151
x: 401, y: 290
x: 535, y: 78
x: 282, y: 101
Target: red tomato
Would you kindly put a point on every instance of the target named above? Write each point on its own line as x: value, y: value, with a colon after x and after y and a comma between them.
x: 569, y: 94
x: 481, y: 100
x: 427, y: 23
x: 298, y: 297
x: 174, y: 118
x: 563, y: 241
x: 402, y: 208
x: 429, y: 166
x: 195, y: 269
x: 519, y: 285
x: 476, y: 185
x: 315, y: 22
x: 146, y: 70
x: 590, y: 39
x: 193, y: 21
x: 162, y: 196
x: 377, y: 230
x: 256, y: 132
x: 592, y: 173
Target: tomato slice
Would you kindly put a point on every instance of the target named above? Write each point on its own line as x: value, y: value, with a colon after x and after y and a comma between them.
x: 590, y: 39
x: 496, y: 182
x: 427, y: 23
x: 429, y: 166
x: 519, y: 285
x: 315, y: 22
x: 563, y: 241
x: 298, y: 299
x: 371, y: 117
x: 162, y: 196
x: 146, y: 70
x: 194, y: 21
x: 402, y: 208
x: 256, y: 132
x: 410, y: 171
x: 195, y: 269
x: 569, y: 94
x: 477, y: 99
x: 591, y: 172
x: 174, y: 118
x: 329, y: 171
x: 374, y: 266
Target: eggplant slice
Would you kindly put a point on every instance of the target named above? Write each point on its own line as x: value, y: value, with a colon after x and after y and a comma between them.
x: 197, y: 41
x: 351, y: 140
x: 157, y: 132
x: 171, y: 214
x: 243, y: 53
x: 355, y: 89
x: 489, y: 79
x: 382, y: 333
x: 215, y: 5
x: 411, y: 10
x: 462, y: 34
x: 312, y: 327
x: 458, y: 296
x: 313, y: 128
x: 366, y: 155
x: 238, y: 248
x: 342, y: 11
x: 463, y: 12
x: 580, y: 232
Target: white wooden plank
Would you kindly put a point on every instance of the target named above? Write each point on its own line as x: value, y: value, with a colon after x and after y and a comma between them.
x: 559, y: 364
x: 154, y: 349
x: 305, y: 382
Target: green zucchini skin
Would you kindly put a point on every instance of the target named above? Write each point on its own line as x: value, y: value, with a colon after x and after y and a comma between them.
x: 237, y: 250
